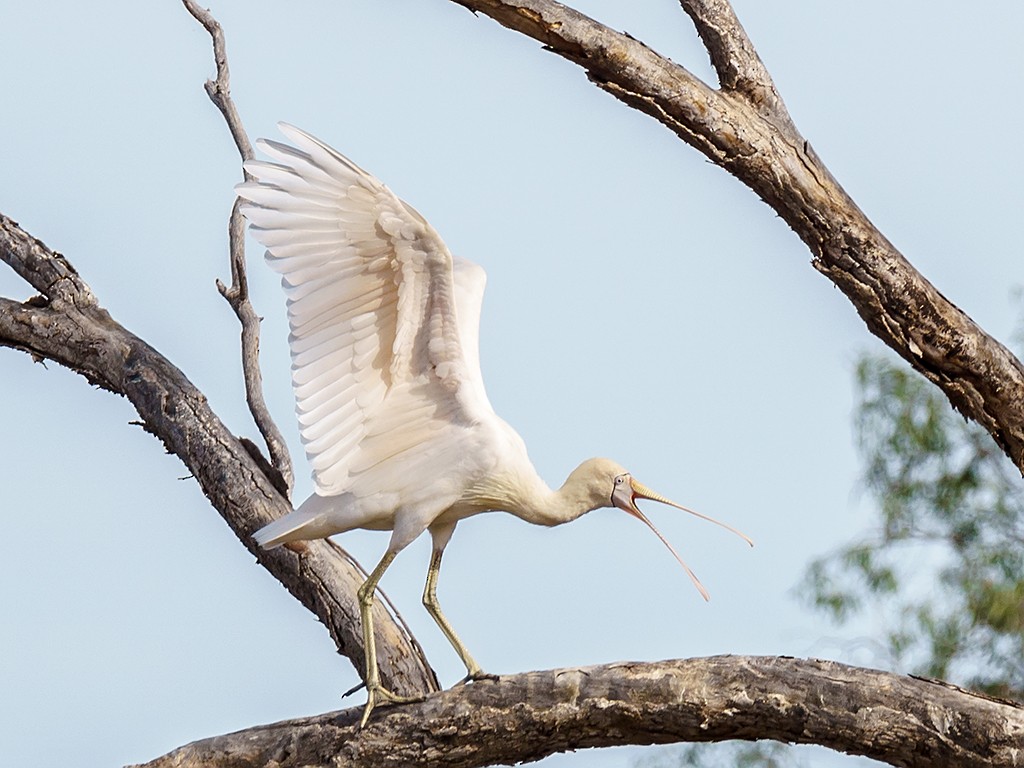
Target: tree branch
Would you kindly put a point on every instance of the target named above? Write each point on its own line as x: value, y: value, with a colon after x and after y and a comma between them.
x: 45, y: 270
x: 219, y: 90
x: 744, y: 128
x: 981, y: 378
x: 896, y: 719
x: 237, y: 295
x: 734, y: 58
x: 68, y: 325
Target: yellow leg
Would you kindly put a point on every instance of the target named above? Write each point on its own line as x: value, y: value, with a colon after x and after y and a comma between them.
x: 375, y: 692
x: 474, y: 672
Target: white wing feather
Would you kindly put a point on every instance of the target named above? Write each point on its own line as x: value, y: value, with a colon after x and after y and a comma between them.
x: 384, y: 329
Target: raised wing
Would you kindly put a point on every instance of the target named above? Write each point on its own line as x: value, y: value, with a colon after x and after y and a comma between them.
x: 377, y: 344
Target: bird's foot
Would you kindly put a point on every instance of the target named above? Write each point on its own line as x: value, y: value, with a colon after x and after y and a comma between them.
x: 474, y: 676
x: 378, y: 694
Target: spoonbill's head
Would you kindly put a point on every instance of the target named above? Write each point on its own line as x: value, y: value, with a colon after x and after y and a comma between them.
x: 624, y: 491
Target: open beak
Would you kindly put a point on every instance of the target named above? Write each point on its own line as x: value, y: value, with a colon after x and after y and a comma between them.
x: 624, y: 497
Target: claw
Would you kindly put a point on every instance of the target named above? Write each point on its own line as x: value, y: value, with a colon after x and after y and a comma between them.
x: 378, y: 694
x: 476, y: 676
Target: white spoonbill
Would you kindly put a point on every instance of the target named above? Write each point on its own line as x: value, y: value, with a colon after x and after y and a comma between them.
x: 386, y: 371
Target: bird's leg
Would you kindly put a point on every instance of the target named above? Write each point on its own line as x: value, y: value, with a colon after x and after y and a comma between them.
x: 474, y: 672
x: 375, y: 692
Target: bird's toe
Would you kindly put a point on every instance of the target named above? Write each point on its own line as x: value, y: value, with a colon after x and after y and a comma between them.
x: 476, y: 676
x: 378, y: 695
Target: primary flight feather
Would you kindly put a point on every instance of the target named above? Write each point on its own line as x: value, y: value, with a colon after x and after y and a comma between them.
x: 385, y: 366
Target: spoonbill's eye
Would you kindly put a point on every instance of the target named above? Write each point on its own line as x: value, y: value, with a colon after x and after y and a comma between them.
x: 620, y: 479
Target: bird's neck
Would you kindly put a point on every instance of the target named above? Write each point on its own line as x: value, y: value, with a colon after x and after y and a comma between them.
x: 569, y: 502
x: 530, y: 499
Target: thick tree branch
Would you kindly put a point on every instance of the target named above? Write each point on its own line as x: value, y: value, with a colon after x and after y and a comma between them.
x: 68, y: 326
x: 896, y: 719
x: 981, y: 378
x: 45, y: 270
x: 734, y: 58
x: 744, y: 128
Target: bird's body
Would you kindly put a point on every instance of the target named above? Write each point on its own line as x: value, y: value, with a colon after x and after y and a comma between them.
x: 386, y: 371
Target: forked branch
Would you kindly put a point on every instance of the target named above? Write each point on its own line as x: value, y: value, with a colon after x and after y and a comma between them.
x: 744, y: 128
x: 66, y: 324
x: 739, y: 68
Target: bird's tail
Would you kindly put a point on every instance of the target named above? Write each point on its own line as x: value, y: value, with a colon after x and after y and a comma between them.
x: 306, y: 522
x: 287, y: 528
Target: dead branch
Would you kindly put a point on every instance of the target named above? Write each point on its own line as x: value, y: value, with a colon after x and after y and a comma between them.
x: 744, y: 128
x: 237, y: 295
x: 893, y: 718
x: 66, y: 324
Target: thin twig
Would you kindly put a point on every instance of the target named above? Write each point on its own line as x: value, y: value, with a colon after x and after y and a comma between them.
x: 237, y: 295
x: 219, y: 90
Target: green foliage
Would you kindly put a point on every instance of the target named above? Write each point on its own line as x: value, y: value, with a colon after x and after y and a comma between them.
x: 729, y: 754
x: 944, y: 571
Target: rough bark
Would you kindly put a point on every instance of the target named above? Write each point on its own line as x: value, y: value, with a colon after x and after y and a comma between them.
x: 899, y: 720
x: 744, y: 128
x: 66, y: 324
x: 237, y: 295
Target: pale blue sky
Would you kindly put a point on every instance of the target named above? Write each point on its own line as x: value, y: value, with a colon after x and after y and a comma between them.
x: 135, y: 622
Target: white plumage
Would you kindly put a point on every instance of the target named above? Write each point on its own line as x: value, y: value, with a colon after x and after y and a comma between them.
x: 386, y: 370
